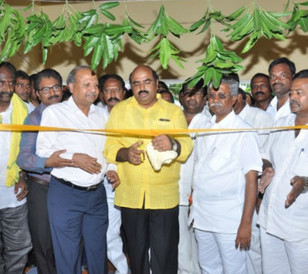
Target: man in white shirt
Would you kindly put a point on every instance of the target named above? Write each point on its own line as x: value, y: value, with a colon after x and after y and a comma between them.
x: 283, y: 213
x: 261, y: 90
x: 280, y: 71
x: 225, y: 185
x: 15, y: 239
x: 256, y: 118
x: 77, y: 203
x: 112, y: 91
x: 193, y: 101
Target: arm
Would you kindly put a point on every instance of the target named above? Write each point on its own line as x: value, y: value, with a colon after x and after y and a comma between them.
x: 267, y: 175
x: 27, y: 159
x: 131, y: 154
x: 21, y: 187
x: 244, y: 231
x: 299, y: 185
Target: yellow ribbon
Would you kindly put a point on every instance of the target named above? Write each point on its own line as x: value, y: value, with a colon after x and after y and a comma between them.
x: 142, y: 132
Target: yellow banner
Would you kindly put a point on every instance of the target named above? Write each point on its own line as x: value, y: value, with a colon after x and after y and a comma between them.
x: 142, y: 132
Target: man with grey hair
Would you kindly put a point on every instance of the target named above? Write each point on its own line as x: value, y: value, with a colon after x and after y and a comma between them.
x: 77, y: 205
x: 224, y: 185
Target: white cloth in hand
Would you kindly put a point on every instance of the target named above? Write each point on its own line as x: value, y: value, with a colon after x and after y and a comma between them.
x: 158, y: 158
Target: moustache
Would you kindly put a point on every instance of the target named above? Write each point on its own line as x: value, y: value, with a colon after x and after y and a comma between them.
x: 192, y: 101
x: 259, y: 93
x: 275, y: 84
x: 294, y: 102
x: 216, y: 105
x: 114, y: 99
x: 143, y: 91
x: 53, y: 97
x: 3, y: 93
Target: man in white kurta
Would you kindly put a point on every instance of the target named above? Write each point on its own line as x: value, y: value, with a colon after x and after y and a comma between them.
x: 283, y: 219
x: 280, y: 72
x: 256, y: 118
x: 193, y: 101
x: 225, y: 186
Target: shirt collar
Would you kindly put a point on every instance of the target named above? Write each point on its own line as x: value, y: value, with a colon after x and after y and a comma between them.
x: 225, y: 122
x: 75, y: 108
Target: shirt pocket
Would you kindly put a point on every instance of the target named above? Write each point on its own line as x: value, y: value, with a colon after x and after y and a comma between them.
x: 218, y: 159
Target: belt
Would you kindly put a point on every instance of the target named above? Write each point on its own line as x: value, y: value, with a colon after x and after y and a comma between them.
x: 84, y: 188
x: 37, y: 180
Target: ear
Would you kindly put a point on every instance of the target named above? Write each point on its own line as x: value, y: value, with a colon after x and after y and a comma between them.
x: 70, y: 87
x: 38, y: 95
x: 235, y: 98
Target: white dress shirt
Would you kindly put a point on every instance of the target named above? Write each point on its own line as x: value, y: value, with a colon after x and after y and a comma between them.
x: 68, y: 115
x: 201, y: 120
x: 7, y: 196
x: 257, y: 118
x: 221, y: 162
x: 289, y: 156
x: 284, y: 110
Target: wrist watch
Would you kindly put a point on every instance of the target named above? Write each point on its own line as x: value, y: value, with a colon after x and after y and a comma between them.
x: 174, y: 145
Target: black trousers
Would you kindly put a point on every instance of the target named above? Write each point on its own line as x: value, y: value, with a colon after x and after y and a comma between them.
x: 156, y: 231
x: 39, y: 228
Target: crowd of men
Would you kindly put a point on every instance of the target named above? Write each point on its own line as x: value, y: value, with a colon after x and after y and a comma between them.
x: 150, y: 198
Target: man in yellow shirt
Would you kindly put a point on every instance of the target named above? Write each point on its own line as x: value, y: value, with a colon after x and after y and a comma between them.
x: 148, y: 198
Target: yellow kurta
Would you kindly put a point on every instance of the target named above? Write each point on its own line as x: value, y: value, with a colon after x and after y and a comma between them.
x: 158, y: 189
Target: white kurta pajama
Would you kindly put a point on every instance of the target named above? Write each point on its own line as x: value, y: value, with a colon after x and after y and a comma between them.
x: 285, y: 233
x: 188, y: 251
x: 222, y: 160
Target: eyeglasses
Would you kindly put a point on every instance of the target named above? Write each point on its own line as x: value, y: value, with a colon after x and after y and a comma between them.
x: 21, y: 85
x: 55, y: 88
x: 115, y: 90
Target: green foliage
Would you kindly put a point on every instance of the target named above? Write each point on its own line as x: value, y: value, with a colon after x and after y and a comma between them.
x: 103, y: 40
x: 161, y: 27
x: 255, y: 24
x: 217, y: 62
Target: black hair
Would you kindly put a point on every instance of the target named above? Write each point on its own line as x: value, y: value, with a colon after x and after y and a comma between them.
x: 46, y: 73
x: 259, y: 74
x: 10, y: 67
x: 301, y: 74
x: 283, y: 60
x: 22, y: 74
x: 196, y: 88
x: 102, y: 80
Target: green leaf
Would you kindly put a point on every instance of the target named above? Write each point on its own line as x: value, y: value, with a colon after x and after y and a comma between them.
x: 59, y: 23
x: 304, y: 24
x: 175, y: 27
x: 216, y: 78
x: 117, y: 29
x: 45, y: 53
x: 164, y: 52
x: 197, y: 24
x: 236, y: 14
x: 97, y: 55
x: 108, y: 5
x: 108, y: 15
x: 178, y: 60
